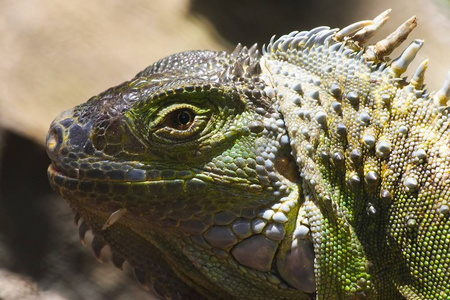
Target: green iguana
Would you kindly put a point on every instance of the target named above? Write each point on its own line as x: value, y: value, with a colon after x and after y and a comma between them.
x: 310, y: 171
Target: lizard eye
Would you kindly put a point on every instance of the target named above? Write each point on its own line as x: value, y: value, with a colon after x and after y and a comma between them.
x: 179, y: 122
x: 180, y: 119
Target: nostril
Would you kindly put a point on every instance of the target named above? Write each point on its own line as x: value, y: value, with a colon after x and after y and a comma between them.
x: 54, y: 139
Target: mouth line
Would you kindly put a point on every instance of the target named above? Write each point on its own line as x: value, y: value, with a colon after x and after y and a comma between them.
x: 131, y: 175
x: 64, y: 183
x: 156, y: 180
x: 55, y: 171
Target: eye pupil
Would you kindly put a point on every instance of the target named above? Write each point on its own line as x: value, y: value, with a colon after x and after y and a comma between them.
x: 184, y: 117
x: 180, y: 119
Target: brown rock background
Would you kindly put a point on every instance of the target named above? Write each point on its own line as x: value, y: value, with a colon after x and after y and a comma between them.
x: 56, y: 54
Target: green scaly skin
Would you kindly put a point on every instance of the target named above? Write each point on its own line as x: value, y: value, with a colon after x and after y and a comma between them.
x: 312, y: 171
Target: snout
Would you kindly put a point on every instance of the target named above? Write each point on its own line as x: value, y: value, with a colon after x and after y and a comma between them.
x: 67, y: 140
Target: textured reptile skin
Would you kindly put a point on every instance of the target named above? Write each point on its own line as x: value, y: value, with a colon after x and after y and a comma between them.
x: 312, y: 170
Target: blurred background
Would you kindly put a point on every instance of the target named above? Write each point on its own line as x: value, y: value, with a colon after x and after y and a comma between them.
x: 56, y: 54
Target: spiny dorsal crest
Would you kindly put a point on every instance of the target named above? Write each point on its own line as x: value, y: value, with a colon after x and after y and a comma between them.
x: 351, y: 42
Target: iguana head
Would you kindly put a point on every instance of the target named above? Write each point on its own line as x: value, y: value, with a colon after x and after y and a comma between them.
x: 191, y: 158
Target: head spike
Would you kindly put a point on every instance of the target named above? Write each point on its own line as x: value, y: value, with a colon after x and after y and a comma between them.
x: 275, y: 46
x: 400, y: 64
x: 383, y: 17
x: 298, y: 41
x: 270, y: 47
x: 386, y: 46
x: 367, y: 32
x: 324, y: 35
x: 285, y: 45
x: 225, y: 76
x: 253, y: 50
x: 310, y: 41
x: 292, y: 33
x: 254, y: 68
x: 316, y: 30
x: 443, y: 95
x: 352, y: 28
x: 238, y: 69
x: 237, y: 50
x: 419, y: 76
x: 263, y: 49
x: 302, y: 33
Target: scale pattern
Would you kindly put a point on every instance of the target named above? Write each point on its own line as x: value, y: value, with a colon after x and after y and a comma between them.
x: 373, y: 151
x: 312, y: 171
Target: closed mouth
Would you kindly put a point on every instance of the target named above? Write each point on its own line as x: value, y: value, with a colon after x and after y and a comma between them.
x: 112, y: 171
x: 54, y: 171
x: 156, y: 183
